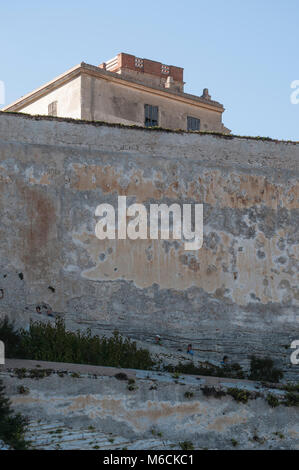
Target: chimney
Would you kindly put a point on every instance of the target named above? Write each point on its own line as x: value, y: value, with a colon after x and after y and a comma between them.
x: 148, y: 72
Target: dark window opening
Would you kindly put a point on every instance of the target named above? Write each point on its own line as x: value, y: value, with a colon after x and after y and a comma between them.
x: 52, y: 109
x: 193, y: 124
x: 150, y: 115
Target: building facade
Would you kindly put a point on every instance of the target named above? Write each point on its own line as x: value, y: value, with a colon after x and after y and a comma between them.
x: 127, y: 90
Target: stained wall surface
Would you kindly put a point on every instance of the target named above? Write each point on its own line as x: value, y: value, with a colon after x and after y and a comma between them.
x: 67, y: 96
x: 238, y: 294
x: 105, y: 100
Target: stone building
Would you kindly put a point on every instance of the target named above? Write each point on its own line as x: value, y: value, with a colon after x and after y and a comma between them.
x: 127, y: 90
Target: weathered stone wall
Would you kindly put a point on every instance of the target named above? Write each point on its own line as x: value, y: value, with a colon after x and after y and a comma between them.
x: 238, y: 295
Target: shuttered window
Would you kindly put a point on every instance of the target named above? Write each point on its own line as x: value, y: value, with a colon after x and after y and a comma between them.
x: 193, y: 124
x: 52, y: 109
x: 150, y: 115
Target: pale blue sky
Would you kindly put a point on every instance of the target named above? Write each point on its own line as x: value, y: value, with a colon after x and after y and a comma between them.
x: 245, y: 52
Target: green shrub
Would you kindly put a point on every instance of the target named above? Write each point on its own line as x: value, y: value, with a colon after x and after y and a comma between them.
x: 263, y: 369
x: 47, y: 342
x: 272, y: 400
x: 12, y: 426
x: 10, y: 337
x: 20, y: 373
x: 188, y: 394
x: 240, y: 396
x: 40, y: 373
x: 292, y: 387
x: 212, y: 392
x: 23, y: 390
x: 232, y: 371
x: 291, y: 399
x: 186, y: 445
x: 121, y: 376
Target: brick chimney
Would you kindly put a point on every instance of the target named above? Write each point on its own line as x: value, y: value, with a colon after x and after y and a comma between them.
x: 148, y: 72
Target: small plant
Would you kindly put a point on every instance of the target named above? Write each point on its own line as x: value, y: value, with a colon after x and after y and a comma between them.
x: 111, y: 440
x: 153, y: 387
x: 272, y: 400
x: 23, y: 390
x: 263, y: 369
x: 75, y: 375
x: 176, y: 375
x: 121, y: 376
x: 20, y: 373
x: 291, y: 399
x: 212, y: 392
x: 279, y: 434
x: 156, y: 433
x: 240, y: 396
x: 234, y: 442
x: 259, y: 440
x: 188, y: 394
x: 291, y: 387
x: 132, y: 388
x: 131, y: 381
x: 58, y: 431
x: 186, y: 445
x: 39, y: 373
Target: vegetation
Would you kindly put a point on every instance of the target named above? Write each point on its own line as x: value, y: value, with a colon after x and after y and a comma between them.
x: 263, y: 369
x: 12, y: 426
x: 291, y: 399
x: 23, y: 390
x: 241, y: 396
x: 291, y: 387
x: 121, y: 376
x: 10, y: 337
x: 272, y: 400
x: 212, y: 392
x: 233, y: 370
x: 47, y: 342
x: 186, y: 445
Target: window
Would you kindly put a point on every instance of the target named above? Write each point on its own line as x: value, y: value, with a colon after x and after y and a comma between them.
x: 52, y: 109
x: 193, y: 124
x: 165, y: 69
x: 138, y: 62
x: 150, y: 115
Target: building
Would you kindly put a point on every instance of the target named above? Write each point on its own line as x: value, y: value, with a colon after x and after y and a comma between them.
x: 127, y: 90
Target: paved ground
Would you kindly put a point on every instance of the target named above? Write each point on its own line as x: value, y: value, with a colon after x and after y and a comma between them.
x: 88, y: 370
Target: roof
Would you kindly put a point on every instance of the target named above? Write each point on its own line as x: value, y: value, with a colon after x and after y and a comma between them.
x: 84, y: 68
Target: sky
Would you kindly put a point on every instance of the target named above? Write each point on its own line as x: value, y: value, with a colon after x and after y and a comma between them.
x: 244, y: 52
